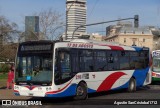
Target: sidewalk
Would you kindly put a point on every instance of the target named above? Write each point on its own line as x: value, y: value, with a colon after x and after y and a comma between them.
x: 8, y: 94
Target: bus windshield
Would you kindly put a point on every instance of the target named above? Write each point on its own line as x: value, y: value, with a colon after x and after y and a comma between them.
x: 34, y: 67
x: 156, y: 64
x: 34, y: 63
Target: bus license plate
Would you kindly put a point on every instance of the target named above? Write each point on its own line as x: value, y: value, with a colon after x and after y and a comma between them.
x: 30, y: 94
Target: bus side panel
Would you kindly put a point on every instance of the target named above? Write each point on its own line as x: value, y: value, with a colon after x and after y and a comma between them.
x: 70, y: 91
x: 122, y: 86
x: 94, y: 85
x: 140, y: 76
x: 105, y: 81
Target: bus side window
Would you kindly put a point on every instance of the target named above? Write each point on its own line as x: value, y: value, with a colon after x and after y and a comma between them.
x: 56, y: 68
x: 110, y: 59
x: 138, y: 60
x: 65, y: 62
x: 146, y: 58
x: 113, y: 60
x: 86, y: 60
x: 124, y: 60
x: 100, y: 60
x: 75, y: 60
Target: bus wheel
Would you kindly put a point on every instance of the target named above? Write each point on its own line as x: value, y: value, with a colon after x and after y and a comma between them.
x: 132, y: 85
x: 81, y: 92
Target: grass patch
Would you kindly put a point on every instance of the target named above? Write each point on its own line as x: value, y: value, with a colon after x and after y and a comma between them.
x: 3, y: 76
x: 3, y: 83
x: 3, y: 79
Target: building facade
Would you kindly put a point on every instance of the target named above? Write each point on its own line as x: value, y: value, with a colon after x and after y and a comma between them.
x: 156, y: 39
x: 75, y: 16
x: 96, y: 36
x: 130, y: 36
x: 31, y: 28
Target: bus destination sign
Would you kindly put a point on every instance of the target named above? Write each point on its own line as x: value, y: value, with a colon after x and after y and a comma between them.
x: 81, y: 45
x: 156, y: 54
x: 36, y: 47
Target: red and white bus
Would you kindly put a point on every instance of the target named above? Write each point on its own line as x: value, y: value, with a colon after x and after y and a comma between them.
x: 79, y: 67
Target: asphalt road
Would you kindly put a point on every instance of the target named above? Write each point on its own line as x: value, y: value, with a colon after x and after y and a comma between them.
x: 150, y: 93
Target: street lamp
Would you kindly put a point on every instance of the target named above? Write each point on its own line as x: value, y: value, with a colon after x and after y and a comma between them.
x: 156, y: 44
x: 98, y: 24
x: 56, y: 29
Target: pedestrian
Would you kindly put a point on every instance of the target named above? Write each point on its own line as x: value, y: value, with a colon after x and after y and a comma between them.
x: 10, y: 78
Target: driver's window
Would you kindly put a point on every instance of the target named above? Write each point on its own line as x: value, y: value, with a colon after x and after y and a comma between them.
x: 65, y: 64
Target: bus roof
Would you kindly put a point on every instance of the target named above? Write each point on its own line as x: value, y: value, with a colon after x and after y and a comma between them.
x: 86, y: 41
x: 93, y: 41
x: 101, y: 42
x: 38, y: 41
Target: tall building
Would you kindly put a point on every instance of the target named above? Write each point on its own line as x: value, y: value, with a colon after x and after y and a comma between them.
x: 31, y: 28
x: 75, y: 16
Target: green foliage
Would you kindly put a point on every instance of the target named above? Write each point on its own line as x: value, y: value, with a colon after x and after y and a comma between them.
x: 4, y: 68
x: 3, y: 76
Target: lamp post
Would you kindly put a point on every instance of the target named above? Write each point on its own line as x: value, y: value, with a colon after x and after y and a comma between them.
x: 67, y: 10
x: 156, y: 45
x: 99, y: 23
x: 56, y: 29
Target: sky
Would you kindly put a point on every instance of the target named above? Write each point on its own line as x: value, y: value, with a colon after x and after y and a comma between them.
x: 97, y: 11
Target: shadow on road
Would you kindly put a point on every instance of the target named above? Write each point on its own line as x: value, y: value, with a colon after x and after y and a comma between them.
x: 3, y: 87
x: 118, y: 91
x: 71, y: 101
x: 92, y: 98
x: 155, y: 83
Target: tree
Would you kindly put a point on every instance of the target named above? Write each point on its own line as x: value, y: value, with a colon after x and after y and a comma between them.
x: 8, y: 31
x: 51, y: 23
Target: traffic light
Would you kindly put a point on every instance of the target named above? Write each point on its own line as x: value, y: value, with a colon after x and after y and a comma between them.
x: 136, y: 21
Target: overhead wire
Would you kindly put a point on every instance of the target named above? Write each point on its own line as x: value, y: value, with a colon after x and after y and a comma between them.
x: 93, y: 8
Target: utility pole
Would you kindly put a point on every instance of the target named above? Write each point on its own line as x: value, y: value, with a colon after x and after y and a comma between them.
x: 136, y: 19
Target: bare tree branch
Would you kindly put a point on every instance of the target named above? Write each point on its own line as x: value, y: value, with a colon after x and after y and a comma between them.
x: 8, y: 33
x: 50, y: 23
x: 8, y: 30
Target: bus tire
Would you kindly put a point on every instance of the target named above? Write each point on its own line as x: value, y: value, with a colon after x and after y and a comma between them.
x: 132, y: 85
x: 81, y: 92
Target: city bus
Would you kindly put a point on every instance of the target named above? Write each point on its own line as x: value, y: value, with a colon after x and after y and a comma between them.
x: 78, y: 67
x: 156, y: 65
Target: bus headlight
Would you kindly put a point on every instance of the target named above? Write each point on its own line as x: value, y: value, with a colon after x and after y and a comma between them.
x: 39, y: 88
x: 48, y: 88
